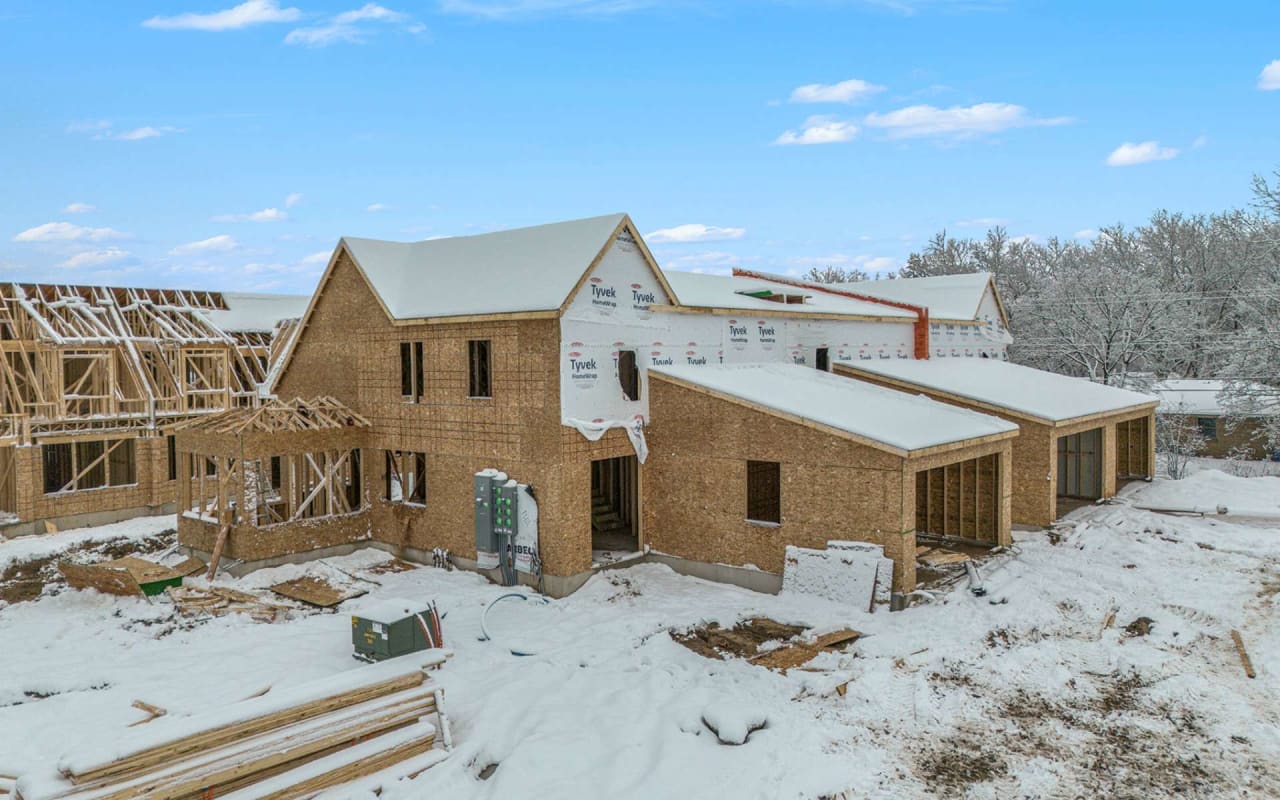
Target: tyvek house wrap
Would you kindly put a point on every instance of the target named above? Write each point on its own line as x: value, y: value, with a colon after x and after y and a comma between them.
x: 612, y: 313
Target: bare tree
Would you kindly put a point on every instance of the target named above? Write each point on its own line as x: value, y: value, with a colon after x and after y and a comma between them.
x: 1178, y: 440
x: 831, y: 274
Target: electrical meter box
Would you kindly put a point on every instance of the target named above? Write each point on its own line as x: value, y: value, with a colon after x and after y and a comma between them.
x: 487, y: 546
x: 390, y: 629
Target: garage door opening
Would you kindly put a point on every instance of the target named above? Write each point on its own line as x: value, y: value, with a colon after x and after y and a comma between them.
x: 960, y: 500
x: 1132, y: 451
x: 615, y: 507
x: 1080, y: 465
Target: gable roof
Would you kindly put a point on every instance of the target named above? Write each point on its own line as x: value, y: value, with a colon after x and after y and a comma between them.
x: 887, y: 419
x: 1205, y: 397
x: 248, y: 311
x: 726, y: 291
x: 1033, y: 393
x: 955, y: 297
x: 513, y: 271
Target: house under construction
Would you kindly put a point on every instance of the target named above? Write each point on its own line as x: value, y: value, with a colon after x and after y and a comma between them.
x: 549, y: 400
x: 94, y: 379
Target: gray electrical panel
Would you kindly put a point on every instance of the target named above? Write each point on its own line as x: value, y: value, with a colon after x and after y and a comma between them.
x: 486, y: 538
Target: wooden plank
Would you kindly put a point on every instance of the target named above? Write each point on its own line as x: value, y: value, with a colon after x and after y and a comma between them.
x: 1244, y: 654
x: 223, y: 734
x: 316, y: 592
x: 108, y: 581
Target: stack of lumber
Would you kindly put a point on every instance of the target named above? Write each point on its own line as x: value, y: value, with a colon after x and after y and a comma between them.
x: 218, y: 601
x: 282, y: 745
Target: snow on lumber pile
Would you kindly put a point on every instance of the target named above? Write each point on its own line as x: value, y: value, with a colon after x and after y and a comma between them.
x: 303, y: 739
x: 846, y: 572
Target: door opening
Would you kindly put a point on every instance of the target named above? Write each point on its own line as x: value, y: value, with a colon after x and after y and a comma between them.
x: 615, y: 508
x: 1080, y: 465
x: 823, y: 359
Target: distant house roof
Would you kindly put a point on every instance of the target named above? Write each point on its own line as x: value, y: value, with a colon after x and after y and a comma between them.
x: 946, y: 296
x: 896, y: 420
x: 512, y: 271
x: 1034, y: 393
x: 734, y: 292
x: 246, y: 311
x: 1205, y: 397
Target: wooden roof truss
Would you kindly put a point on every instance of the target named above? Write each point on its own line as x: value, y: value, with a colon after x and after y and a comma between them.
x: 80, y: 359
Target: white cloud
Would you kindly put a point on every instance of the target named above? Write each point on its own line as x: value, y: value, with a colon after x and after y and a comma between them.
x: 1027, y: 238
x: 145, y: 132
x: 265, y: 215
x: 320, y: 257
x: 712, y: 262
x: 1129, y: 154
x: 1200, y: 141
x: 348, y: 27
x: 95, y: 258
x: 214, y: 244
x: 850, y: 91
x: 695, y: 232
x: 514, y: 9
x: 820, y: 130
x: 293, y: 199
x: 250, y: 12
x: 104, y: 129
x: 1086, y: 233
x: 376, y: 207
x: 79, y: 208
x: 1269, y: 78
x: 66, y: 232
x: 957, y: 121
x: 982, y: 222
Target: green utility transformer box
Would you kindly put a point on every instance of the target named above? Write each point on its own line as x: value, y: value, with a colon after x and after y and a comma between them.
x: 390, y: 629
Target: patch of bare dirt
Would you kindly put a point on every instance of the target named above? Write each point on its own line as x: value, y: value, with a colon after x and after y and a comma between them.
x: 956, y: 762
x: 1139, y: 627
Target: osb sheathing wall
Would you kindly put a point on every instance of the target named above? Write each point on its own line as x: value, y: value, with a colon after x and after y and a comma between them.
x: 694, y: 485
x: 1035, y: 449
x: 151, y: 489
x: 351, y: 351
x: 250, y: 543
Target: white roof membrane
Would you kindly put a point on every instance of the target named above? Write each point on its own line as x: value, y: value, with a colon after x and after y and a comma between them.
x: 257, y: 312
x: 1033, y: 392
x: 946, y: 296
x: 726, y: 291
x: 524, y: 269
x: 897, y: 419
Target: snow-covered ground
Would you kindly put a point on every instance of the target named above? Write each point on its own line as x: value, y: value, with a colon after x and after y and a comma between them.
x: 1024, y: 692
x: 1211, y: 491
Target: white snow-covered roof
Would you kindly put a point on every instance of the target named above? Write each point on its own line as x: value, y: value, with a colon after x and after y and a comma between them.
x: 900, y: 420
x: 1024, y: 390
x: 726, y: 291
x: 257, y: 312
x: 1205, y: 397
x: 523, y: 269
x: 946, y: 296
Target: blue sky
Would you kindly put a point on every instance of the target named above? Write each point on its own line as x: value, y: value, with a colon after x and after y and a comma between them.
x: 223, y: 145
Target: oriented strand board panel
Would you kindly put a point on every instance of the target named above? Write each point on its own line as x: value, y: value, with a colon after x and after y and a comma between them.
x: 316, y: 592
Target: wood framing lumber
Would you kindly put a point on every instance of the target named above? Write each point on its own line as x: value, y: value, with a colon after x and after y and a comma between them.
x: 221, y: 542
x: 1244, y: 654
x: 250, y: 759
x: 242, y: 724
x: 362, y: 760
